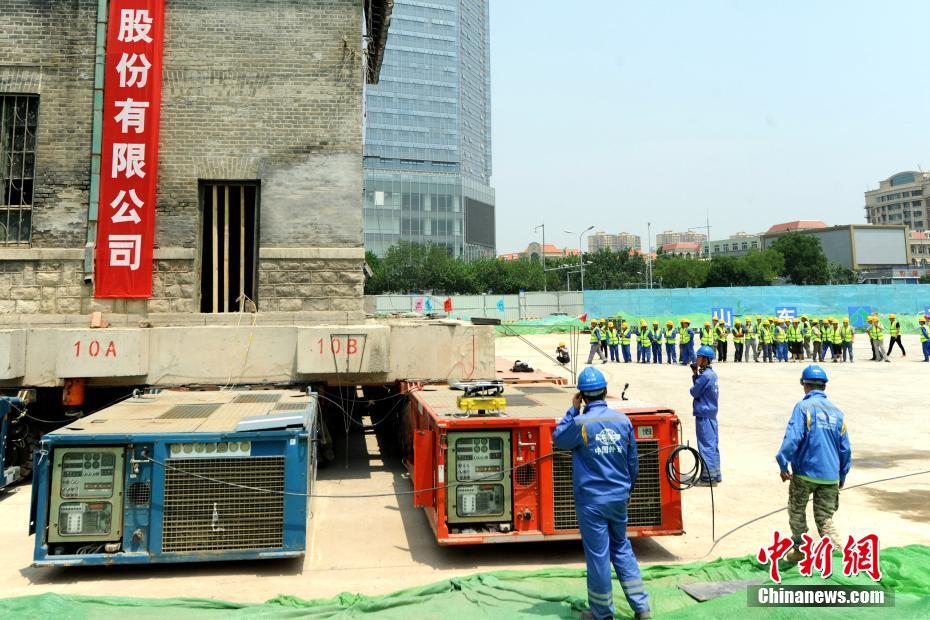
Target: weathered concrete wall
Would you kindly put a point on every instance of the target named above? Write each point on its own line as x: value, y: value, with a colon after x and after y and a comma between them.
x: 265, y: 91
x: 379, y: 352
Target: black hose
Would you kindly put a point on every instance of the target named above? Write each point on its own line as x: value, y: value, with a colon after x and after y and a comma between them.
x: 697, y: 472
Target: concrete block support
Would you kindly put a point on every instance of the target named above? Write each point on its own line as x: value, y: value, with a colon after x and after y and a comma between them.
x: 12, y: 354
x: 343, y: 350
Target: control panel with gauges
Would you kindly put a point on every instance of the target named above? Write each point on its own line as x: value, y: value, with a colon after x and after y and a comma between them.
x: 87, y: 495
x: 481, y: 488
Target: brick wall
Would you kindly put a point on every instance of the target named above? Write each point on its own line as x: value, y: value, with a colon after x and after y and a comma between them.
x: 267, y: 90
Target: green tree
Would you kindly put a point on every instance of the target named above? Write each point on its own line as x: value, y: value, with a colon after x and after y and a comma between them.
x: 679, y: 272
x: 804, y: 260
x: 839, y: 274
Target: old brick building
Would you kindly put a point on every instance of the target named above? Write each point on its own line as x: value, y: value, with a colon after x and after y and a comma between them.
x: 260, y: 155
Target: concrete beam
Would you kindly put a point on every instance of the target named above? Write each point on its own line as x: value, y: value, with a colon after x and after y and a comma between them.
x: 248, y: 352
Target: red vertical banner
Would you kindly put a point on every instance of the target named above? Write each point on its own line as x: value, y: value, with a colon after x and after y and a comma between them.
x: 129, y: 156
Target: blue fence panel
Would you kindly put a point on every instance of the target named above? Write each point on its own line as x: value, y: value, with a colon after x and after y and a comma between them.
x: 906, y: 299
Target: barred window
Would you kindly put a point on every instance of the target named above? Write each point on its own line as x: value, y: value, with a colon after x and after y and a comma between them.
x: 18, y: 119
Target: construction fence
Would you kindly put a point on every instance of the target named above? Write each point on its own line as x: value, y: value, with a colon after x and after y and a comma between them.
x: 537, y: 311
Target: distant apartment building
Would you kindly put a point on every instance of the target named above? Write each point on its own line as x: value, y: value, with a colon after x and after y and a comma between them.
x: 667, y: 236
x: 535, y: 251
x: 615, y: 242
x: 684, y: 249
x: 738, y: 244
x: 903, y: 198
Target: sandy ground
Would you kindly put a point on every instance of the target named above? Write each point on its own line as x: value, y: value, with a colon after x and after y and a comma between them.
x: 379, y: 545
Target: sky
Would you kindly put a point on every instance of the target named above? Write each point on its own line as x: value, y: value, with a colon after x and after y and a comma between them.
x: 614, y: 113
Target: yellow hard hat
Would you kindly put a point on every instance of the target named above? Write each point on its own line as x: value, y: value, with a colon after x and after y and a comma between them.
x: 921, y: 320
x: 593, y: 321
x: 623, y: 324
x: 602, y: 321
x: 768, y: 321
x: 738, y: 322
x: 686, y: 320
x: 795, y: 320
x: 610, y: 323
x: 846, y: 319
x: 891, y: 316
x: 561, y: 344
x: 758, y: 317
x: 669, y: 323
x: 707, y: 323
x: 642, y: 322
x: 655, y: 322
x: 815, y: 321
x: 715, y: 319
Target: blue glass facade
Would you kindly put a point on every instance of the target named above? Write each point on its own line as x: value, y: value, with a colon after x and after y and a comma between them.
x: 428, y: 131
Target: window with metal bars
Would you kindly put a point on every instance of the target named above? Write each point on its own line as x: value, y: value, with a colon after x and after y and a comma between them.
x: 19, y: 115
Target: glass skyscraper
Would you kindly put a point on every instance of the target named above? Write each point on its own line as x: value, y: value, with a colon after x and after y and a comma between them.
x: 428, y: 131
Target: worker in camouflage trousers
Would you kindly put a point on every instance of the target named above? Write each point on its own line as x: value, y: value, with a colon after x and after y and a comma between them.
x: 816, y: 448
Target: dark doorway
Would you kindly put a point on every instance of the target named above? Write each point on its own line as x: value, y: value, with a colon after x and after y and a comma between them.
x: 229, y: 247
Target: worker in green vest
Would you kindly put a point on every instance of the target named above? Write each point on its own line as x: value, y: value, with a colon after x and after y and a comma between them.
x: 720, y: 335
x: 596, y: 343
x: 626, y: 335
x: 793, y: 337
x: 613, y: 342
x: 877, y: 339
x: 849, y: 334
x: 707, y: 334
x: 738, y: 337
x: 894, y: 330
x: 816, y: 338
x: 752, y: 339
x: 686, y: 343
x: 655, y: 336
x: 781, y: 344
x: 768, y: 337
x: 643, y: 343
x: 827, y: 330
x: 837, y: 340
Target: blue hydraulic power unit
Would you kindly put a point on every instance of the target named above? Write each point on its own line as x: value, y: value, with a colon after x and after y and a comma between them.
x: 9, y: 473
x: 178, y: 476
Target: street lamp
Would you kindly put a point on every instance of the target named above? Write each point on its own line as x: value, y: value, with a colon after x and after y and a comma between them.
x: 543, y: 257
x: 580, y: 250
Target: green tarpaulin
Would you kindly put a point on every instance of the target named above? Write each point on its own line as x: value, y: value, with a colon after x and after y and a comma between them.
x: 552, y: 593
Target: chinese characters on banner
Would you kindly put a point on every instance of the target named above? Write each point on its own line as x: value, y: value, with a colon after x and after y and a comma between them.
x: 129, y: 157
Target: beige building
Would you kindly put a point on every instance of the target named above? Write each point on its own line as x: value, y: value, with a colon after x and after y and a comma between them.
x: 667, y: 236
x: 615, y: 242
x: 738, y: 244
x: 920, y: 248
x: 684, y: 249
x: 534, y: 251
x: 903, y: 198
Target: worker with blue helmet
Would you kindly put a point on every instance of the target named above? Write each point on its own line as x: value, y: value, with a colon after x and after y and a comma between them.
x: 604, y: 468
x: 816, y: 446
x: 705, y: 393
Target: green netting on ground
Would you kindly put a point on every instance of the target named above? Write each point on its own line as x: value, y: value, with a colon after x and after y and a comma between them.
x: 544, y: 325
x: 552, y: 593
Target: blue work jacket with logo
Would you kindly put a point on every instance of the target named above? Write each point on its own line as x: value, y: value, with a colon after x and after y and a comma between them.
x: 604, y: 465
x: 816, y: 443
x: 705, y: 393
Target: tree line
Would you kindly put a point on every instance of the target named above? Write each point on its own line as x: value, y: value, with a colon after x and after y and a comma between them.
x: 413, y: 268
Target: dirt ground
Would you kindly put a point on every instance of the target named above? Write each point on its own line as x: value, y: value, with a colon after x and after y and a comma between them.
x: 378, y: 545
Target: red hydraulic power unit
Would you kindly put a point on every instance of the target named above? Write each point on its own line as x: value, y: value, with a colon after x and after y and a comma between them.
x: 492, y: 475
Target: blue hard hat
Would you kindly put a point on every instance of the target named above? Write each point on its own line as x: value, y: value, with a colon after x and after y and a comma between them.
x: 814, y: 373
x: 706, y: 351
x: 591, y: 380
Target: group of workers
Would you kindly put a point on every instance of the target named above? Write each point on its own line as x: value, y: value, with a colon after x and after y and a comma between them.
x: 763, y: 339
x: 815, y: 457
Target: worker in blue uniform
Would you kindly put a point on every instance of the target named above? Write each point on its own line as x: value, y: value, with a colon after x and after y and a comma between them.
x: 604, y: 469
x: 705, y: 393
x: 817, y: 448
